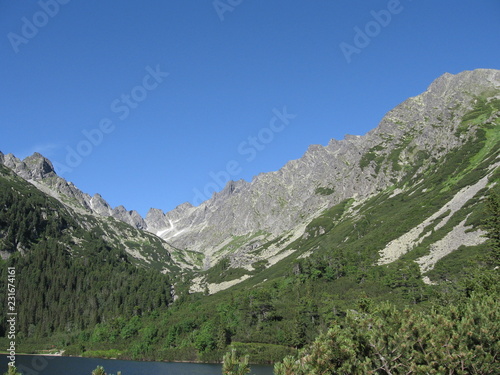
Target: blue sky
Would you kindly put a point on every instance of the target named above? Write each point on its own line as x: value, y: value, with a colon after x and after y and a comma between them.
x: 155, y: 103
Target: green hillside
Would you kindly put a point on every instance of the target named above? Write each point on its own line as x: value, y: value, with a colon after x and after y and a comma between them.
x: 69, y: 278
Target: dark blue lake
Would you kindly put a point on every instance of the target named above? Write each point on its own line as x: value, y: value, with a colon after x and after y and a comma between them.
x: 41, y: 365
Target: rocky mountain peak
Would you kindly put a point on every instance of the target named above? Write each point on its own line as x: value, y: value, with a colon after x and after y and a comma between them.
x: 466, y: 82
x: 40, y: 171
x: 39, y: 166
x: 232, y: 187
x: 100, y: 206
x: 35, y: 167
x: 155, y: 219
x: 130, y: 217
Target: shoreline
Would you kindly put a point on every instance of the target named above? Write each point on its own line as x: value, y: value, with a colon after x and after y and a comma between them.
x: 61, y: 354
x: 57, y: 354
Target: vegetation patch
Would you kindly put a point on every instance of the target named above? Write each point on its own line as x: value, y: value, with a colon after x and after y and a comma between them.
x: 324, y: 191
x: 222, y: 271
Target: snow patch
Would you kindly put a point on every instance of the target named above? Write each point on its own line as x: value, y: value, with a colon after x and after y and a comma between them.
x: 162, y: 233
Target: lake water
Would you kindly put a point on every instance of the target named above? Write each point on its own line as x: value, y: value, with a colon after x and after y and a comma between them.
x: 41, y: 365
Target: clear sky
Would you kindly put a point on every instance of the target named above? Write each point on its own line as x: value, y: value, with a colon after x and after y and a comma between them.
x: 150, y: 102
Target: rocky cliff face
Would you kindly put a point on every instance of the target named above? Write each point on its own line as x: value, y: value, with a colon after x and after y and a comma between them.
x: 356, y: 167
x: 278, y: 205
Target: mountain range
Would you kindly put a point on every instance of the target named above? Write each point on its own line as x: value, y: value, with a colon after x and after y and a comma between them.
x: 397, y: 215
x: 262, y: 220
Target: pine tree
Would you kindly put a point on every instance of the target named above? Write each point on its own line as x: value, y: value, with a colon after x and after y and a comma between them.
x: 12, y: 371
x: 233, y: 365
x: 492, y: 225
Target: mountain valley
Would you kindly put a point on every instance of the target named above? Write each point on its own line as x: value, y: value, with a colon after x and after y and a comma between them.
x: 395, y: 215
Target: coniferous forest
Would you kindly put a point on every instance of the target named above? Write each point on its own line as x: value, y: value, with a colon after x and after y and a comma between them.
x: 68, y: 278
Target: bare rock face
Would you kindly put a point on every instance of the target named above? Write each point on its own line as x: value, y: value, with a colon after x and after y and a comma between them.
x: 156, y: 221
x: 39, y: 167
x: 130, y: 217
x: 100, y: 206
x: 34, y: 167
x: 276, y: 202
